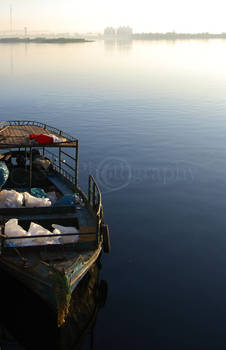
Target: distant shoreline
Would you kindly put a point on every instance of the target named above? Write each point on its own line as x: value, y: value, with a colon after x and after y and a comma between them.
x: 136, y: 36
x: 175, y: 36
x: 43, y: 40
x: 166, y: 36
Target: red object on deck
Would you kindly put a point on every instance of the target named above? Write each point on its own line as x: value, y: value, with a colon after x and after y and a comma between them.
x: 42, y: 139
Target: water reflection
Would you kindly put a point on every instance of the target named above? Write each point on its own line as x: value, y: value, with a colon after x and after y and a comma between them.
x: 27, y: 323
x: 11, y: 60
x: 118, y: 44
x: 109, y: 44
x: 125, y: 44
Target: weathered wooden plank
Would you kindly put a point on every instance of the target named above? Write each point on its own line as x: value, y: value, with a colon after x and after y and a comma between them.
x: 85, y: 229
x: 87, y: 238
x: 39, y: 211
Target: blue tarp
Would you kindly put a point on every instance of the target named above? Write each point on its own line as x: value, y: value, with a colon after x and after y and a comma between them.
x: 4, y: 173
x: 68, y: 199
x: 38, y: 192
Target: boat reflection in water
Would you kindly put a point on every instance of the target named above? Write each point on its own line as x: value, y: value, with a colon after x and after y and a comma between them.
x: 27, y: 323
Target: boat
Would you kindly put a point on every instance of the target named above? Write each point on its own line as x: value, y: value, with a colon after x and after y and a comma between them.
x: 22, y: 323
x: 42, y: 160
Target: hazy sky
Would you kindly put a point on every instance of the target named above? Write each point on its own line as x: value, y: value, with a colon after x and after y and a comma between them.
x: 94, y: 15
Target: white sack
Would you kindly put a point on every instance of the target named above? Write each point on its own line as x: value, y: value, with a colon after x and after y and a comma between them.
x: 13, y: 229
x: 36, y: 229
x: 11, y: 199
x: 55, y: 138
x: 58, y: 229
x: 34, y: 202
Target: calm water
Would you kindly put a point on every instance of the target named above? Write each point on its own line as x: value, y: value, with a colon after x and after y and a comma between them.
x: 151, y: 119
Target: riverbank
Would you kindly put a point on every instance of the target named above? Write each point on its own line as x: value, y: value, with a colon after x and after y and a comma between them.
x: 43, y: 40
x: 175, y: 36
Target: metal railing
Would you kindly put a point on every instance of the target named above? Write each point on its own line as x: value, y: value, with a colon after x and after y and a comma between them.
x: 60, y: 167
x: 64, y: 173
x: 36, y: 123
x: 94, y: 195
x: 95, y: 201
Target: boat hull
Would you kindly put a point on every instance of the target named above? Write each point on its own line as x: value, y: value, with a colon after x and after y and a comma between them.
x: 40, y: 278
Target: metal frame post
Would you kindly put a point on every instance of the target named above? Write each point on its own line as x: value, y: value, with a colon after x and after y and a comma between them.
x: 89, y: 190
x: 30, y: 167
x: 94, y: 195
x: 76, y: 164
x: 59, y: 156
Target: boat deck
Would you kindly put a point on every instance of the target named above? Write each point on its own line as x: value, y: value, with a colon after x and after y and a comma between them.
x: 16, y: 135
x: 26, y: 174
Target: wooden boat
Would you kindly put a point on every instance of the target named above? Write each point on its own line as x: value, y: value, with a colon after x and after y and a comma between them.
x: 51, y: 270
x: 23, y: 323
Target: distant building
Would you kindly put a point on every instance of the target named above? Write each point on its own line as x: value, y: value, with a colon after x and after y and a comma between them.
x: 124, y: 32
x: 109, y: 32
x: 121, y: 32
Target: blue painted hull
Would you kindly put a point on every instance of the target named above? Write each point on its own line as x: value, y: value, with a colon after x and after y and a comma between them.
x: 40, y: 280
